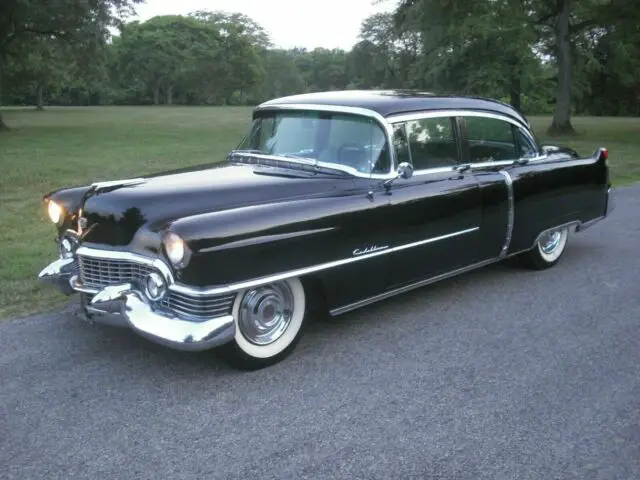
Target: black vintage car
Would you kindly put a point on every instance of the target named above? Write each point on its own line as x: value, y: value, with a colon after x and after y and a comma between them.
x: 332, y: 201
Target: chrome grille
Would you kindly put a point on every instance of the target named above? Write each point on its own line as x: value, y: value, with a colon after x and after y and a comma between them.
x: 101, y: 272
x: 198, y: 307
x: 98, y: 273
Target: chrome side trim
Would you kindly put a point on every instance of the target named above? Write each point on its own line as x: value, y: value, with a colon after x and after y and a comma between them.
x: 406, y: 288
x: 386, y: 126
x: 510, y: 213
x: 233, y: 287
x: 117, y: 183
x: 589, y: 223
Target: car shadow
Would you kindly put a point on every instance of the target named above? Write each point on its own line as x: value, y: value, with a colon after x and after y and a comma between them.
x: 324, y: 336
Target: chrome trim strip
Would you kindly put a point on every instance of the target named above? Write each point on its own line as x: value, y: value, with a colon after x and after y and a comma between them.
x: 386, y: 126
x: 233, y: 287
x: 589, y: 223
x: 510, y: 213
x: 431, y: 171
x: 302, y: 161
x: 117, y: 183
x: 408, y: 117
x: 406, y: 288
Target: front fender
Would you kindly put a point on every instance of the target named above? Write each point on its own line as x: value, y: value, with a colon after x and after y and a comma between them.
x: 71, y: 200
x: 251, y: 242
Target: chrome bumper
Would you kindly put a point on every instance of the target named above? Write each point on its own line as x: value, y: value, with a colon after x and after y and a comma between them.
x: 59, y: 273
x: 611, y: 204
x: 123, y: 305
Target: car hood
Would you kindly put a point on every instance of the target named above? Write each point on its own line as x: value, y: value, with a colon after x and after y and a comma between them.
x: 116, y: 211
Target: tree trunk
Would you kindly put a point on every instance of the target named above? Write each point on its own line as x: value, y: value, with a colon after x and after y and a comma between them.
x: 170, y: 95
x: 562, y: 115
x: 156, y: 95
x: 515, y: 88
x: 3, y: 126
x: 40, y: 103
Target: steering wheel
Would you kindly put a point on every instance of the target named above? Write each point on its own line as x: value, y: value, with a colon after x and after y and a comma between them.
x: 354, y: 155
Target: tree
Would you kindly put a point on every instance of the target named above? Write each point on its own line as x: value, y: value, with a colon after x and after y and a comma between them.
x: 26, y: 20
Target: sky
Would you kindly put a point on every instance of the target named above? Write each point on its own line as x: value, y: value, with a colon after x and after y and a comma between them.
x: 290, y: 23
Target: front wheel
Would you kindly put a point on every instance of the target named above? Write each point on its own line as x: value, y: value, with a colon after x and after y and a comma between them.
x: 269, y: 324
x: 548, y: 250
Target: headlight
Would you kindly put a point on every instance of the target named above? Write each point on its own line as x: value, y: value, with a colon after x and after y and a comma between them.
x: 55, y: 211
x: 175, y: 248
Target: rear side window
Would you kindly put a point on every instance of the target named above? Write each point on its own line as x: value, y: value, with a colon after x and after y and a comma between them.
x: 432, y: 142
x: 490, y: 140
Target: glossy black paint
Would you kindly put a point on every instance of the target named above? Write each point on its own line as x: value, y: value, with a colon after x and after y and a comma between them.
x: 552, y: 193
x: 243, y: 222
x: 70, y: 199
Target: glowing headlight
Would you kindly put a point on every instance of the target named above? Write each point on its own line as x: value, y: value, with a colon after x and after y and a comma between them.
x: 55, y: 211
x: 175, y: 248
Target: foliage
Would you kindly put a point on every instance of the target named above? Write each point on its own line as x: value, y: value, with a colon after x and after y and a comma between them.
x: 512, y: 50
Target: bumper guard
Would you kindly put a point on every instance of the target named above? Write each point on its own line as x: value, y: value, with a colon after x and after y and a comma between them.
x: 123, y: 305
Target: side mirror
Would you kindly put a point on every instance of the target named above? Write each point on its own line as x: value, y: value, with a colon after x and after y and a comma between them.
x: 405, y: 170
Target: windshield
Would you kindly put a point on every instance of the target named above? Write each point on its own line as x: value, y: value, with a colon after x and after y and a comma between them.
x: 353, y: 141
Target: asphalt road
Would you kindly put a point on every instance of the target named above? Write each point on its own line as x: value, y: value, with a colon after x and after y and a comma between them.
x: 501, y: 373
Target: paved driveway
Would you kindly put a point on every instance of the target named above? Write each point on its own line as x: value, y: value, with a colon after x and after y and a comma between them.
x: 500, y: 373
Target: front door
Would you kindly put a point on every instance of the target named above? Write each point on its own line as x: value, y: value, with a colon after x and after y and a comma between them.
x: 436, y: 214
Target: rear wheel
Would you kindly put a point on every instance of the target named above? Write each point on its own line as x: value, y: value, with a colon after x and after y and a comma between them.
x: 269, y: 324
x: 548, y: 250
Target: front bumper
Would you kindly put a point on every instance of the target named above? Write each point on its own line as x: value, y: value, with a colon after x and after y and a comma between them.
x: 124, y: 305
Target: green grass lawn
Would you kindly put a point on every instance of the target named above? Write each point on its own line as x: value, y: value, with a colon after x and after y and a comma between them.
x: 74, y: 146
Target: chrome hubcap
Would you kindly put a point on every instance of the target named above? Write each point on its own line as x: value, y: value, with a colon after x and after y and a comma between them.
x: 265, y: 313
x: 550, y: 241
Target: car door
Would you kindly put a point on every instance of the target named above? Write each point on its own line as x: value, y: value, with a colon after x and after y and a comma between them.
x: 436, y: 214
x: 490, y: 147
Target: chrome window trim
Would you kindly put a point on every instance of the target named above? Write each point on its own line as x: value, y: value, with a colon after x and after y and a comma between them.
x: 234, y: 287
x: 405, y: 117
x: 386, y: 127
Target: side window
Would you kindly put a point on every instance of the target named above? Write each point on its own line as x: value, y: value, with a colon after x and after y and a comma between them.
x: 490, y: 140
x: 432, y: 143
x: 526, y: 149
x: 400, y: 144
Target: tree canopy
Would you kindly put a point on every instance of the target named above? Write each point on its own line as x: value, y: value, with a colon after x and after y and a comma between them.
x: 543, y: 56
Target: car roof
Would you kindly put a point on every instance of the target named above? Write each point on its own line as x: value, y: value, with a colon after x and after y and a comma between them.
x: 395, y: 102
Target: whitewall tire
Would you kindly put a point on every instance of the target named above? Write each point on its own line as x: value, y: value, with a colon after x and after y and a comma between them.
x: 269, y: 324
x: 548, y: 249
